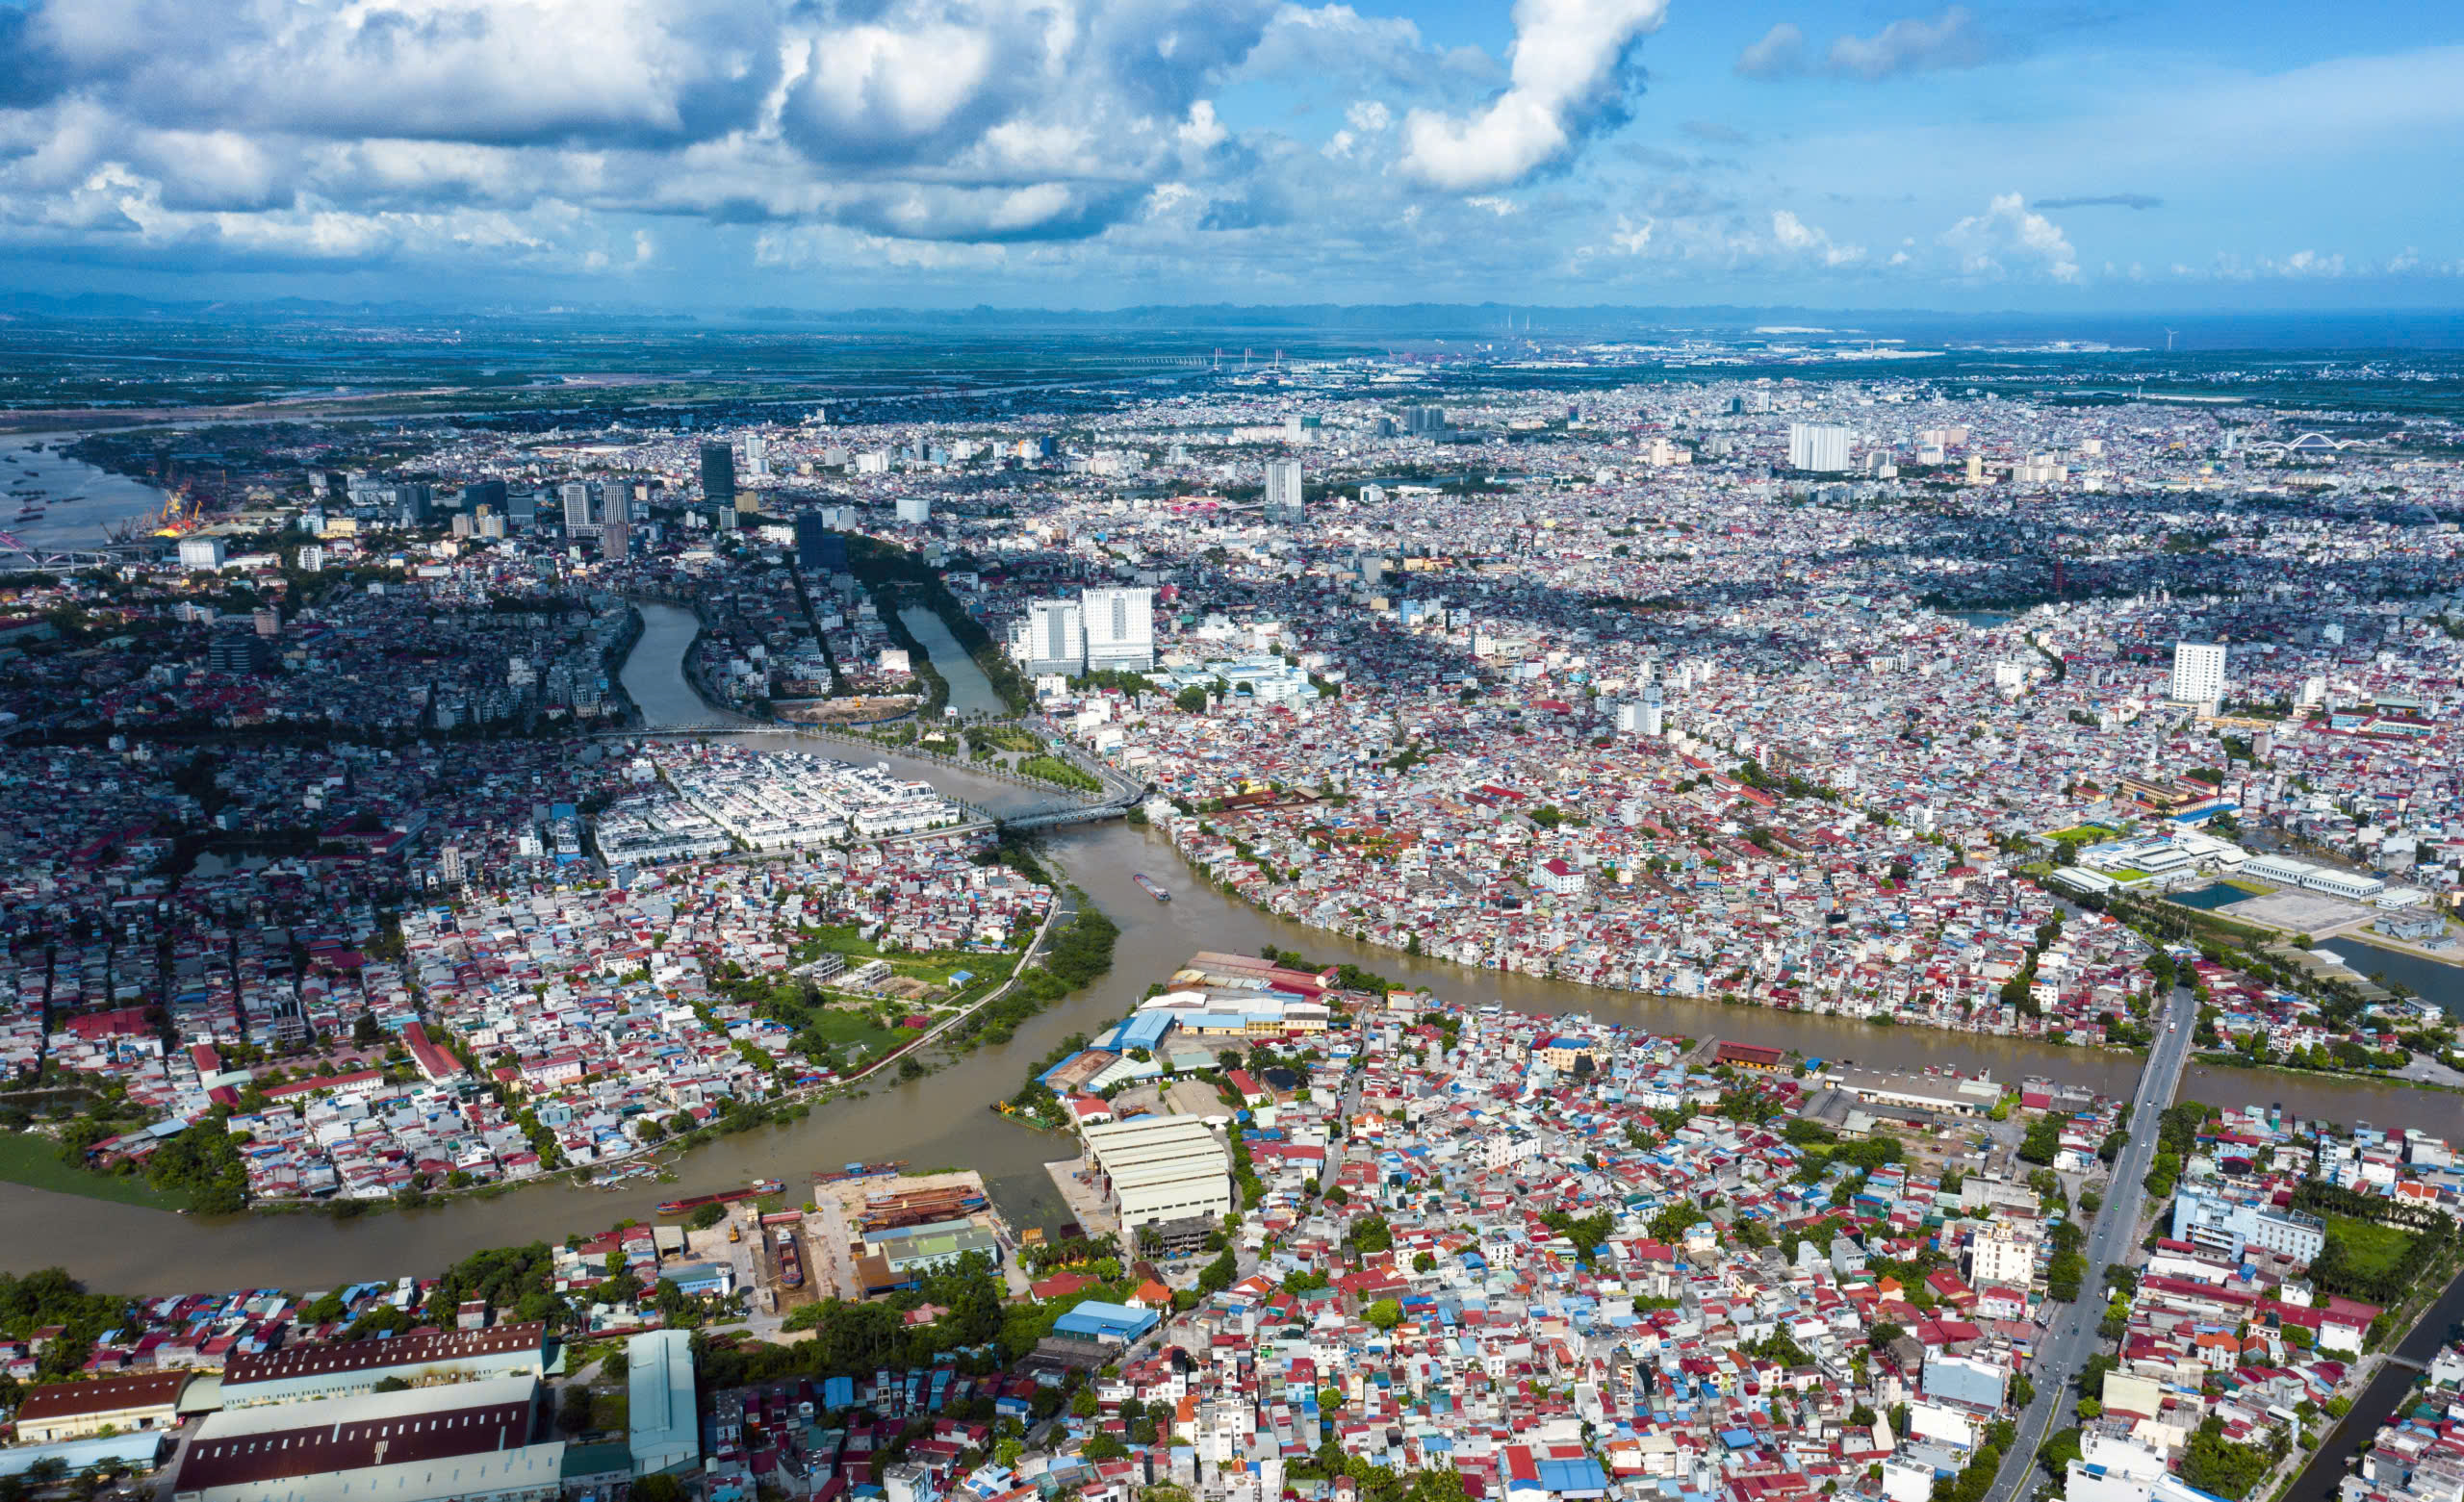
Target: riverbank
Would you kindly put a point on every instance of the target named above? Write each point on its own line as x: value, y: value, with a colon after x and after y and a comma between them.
x: 2449, y: 959
x: 2219, y: 1058
x: 942, y: 1119
x: 33, y: 1161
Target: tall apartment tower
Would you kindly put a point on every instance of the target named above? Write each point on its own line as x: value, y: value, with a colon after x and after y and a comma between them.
x: 1055, y: 637
x: 1121, y: 630
x: 718, y: 476
x: 2198, y: 671
x: 1283, y: 492
x: 576, y: 496
x: 1821, y: 446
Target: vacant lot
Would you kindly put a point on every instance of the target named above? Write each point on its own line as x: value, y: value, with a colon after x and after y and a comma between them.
x: 1195, y: 1098
x: 2369, y: 1249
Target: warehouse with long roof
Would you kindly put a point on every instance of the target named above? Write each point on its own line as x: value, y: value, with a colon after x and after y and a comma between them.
x: 294, y: 1373
x: 1159, y: 1168
x: 473, y: 1441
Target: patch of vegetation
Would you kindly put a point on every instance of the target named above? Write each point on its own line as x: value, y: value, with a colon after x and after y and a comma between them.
x: 1054, y: 770
x: 34, y: 1161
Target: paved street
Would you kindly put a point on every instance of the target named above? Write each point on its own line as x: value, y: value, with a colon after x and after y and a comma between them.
x: 2072, y: 1337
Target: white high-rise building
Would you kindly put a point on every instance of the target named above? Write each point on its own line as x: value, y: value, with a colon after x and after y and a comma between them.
x: 576, y: 495
x: 1283, y: 492
x: 616, y: 501
x: 2199, y: 673
x: 1121, y: 630
x: 1053, y: 638
x: 1817, y: 445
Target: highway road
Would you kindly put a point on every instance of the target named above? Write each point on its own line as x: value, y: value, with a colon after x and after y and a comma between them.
x: 2072, y: 1338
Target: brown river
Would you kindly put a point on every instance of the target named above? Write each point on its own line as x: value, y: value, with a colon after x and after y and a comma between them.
x: 944, y: 1120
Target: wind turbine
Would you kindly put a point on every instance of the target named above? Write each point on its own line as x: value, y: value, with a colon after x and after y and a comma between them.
x: 2169, y: 341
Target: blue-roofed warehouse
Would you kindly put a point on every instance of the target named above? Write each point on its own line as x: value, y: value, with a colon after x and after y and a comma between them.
x: 1139, y: 1030
x: 1096, y: 1320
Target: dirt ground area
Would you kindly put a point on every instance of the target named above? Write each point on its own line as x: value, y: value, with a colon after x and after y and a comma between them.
x: 1086, y: 1204
x: 1195, y: 1098
x: 1140, y: 1099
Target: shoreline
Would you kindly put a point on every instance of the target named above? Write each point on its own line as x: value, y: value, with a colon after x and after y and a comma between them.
x: 2211, y: 1059
x: 2453, y: 959
x: 33, y: 1160
x: 16, y: 1166
x: 1876, y: 1020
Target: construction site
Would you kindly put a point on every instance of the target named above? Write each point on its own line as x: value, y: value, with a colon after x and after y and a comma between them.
x: 875, y: 1236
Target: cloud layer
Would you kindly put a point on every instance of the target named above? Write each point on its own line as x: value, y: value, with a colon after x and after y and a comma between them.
x: 1124, y: 150
x: 1913, y: 45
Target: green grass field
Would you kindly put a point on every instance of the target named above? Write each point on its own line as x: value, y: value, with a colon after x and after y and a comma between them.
x: 1052, y: 769
x: 2369, y: 1249
x: 843, y: 938
x: 939, y: 968
x: 846, y: 1029
x: 34, y: 1161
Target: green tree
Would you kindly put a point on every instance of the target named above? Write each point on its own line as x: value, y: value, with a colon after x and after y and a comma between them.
x: 1385, y: 1314
x: 2215, y: 1464
x: 658, y: 1487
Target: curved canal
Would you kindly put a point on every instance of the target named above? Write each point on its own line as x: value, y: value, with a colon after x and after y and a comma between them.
x: 944, y: 1120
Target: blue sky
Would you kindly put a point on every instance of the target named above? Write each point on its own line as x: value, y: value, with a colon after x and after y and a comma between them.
x: 2048, y: 155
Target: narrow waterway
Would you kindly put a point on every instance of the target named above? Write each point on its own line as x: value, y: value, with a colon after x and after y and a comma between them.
x: 971, y: 691
x: 2319, y: 1480
x: 945, y: 1119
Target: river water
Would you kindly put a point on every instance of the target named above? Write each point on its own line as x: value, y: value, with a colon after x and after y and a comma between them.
x: 78, y: 501
x: 971, y: 691
x: 2441, y: 985
x: 944, y: 1120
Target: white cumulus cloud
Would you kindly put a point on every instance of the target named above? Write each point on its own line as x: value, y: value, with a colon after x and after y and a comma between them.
x: 1565, y: 83
x: 1795, y: 236
x: 1988, y: 245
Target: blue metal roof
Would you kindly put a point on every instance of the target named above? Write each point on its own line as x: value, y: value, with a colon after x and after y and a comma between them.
x: 1582, y: 1475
